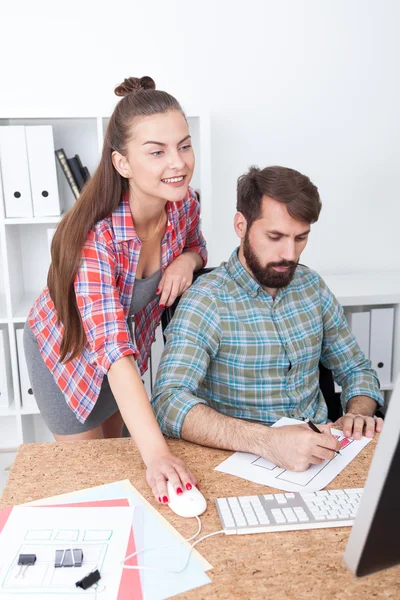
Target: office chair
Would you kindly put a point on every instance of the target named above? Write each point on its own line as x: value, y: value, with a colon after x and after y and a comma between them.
x: 326, y: 382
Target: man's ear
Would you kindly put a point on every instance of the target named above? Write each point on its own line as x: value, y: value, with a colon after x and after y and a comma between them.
x: 240, y: 225
x: 121, y: 164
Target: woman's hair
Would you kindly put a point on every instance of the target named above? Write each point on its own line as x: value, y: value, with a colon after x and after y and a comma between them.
x: 284, y: 185
x: 99, y: 198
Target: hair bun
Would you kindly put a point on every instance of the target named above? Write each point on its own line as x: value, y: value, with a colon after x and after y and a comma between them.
x: 134, y: 84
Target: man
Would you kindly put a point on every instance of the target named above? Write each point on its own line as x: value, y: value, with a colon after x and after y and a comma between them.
x: 244, y: 346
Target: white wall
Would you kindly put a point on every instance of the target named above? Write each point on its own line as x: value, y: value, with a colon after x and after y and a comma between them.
x: 309, y: 84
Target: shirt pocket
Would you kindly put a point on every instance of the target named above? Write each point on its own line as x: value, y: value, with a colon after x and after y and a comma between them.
x: 304, y: 355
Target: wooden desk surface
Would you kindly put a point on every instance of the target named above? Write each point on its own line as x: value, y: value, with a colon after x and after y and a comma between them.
x: 295, y: 565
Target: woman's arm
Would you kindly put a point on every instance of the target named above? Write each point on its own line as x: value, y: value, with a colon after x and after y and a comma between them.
x: 136, y: 411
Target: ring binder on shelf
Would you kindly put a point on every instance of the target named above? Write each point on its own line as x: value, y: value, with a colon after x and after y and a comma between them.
x: 381, y: 343
x: 27, y: 397
x: 15, y: 172
x: 5, y: 372
x: 42, y: 169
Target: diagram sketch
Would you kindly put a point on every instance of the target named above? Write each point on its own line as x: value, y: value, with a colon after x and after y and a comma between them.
x: 263, y: 471
x: 302, y: 478
x: 100, y: 533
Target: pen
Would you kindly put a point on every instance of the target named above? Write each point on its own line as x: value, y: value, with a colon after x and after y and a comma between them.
x: 315, y: 428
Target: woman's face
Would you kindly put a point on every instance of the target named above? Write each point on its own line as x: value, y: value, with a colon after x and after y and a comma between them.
x: 160, y: 158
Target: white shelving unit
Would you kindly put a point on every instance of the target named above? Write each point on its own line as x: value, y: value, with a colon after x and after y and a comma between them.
x: 359, y: 292
x: 24, y: 252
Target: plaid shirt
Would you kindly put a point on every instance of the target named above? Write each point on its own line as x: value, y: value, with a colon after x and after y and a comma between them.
x: 103, y: 287
x: 234, y: 348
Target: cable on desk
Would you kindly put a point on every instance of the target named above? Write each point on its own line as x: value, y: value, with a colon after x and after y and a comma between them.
x: 144, y: 568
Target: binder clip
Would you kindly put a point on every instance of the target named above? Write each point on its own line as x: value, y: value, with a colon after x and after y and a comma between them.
x: 89, y: 580
x: 69, y: 558
x: 25, y: 560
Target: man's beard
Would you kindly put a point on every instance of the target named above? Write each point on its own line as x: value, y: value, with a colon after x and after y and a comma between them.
x: 266, y: 275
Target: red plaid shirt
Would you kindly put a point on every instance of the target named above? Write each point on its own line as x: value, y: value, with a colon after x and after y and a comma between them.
x: 103, y: 286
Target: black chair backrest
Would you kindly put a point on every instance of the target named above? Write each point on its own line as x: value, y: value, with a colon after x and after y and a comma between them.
x: 326, y: 383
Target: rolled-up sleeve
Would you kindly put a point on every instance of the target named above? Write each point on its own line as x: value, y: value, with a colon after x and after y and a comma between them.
x: 194, y: 237
x: 343, y: 356
x: 192, y: 340
x: 99, y: 304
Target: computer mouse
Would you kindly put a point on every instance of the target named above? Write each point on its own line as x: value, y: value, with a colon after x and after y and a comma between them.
x: 191, y: 503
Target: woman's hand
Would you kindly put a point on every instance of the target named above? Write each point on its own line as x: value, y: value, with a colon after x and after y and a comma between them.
x: 177, y: 278
x: 168, y: 467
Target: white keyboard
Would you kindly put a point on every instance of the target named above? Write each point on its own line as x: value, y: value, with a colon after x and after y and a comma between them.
x: 288, y: 511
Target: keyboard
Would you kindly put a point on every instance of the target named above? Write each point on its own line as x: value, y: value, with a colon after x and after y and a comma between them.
x: 289, y: 511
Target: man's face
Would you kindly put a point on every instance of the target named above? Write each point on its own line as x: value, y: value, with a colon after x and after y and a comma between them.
x: 273, y: 244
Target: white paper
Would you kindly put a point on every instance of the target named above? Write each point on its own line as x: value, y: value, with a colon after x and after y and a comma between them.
x: 101, y: 533
x: 258, y: 469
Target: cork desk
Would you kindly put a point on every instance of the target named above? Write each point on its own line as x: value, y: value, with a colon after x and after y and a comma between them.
x: 295, y: 565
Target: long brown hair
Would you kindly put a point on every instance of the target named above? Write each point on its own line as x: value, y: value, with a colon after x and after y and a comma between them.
x: 288, y: 186
x: 100, y: 197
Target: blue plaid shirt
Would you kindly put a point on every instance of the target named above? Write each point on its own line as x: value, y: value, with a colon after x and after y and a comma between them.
x: 241, y: 352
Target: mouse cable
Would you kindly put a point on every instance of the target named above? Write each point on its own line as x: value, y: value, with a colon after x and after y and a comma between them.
x: 139, y: 568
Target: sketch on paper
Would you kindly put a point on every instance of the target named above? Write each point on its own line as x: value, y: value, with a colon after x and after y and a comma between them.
x: 260, y: 470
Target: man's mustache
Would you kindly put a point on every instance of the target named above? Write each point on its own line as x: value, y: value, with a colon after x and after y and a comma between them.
x: 283, y: 263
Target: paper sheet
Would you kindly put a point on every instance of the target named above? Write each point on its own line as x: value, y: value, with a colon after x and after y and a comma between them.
x: 152, y: 529
x: 258, y: 469
x: 101, y: 533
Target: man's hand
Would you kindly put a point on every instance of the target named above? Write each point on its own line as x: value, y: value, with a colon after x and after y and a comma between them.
x: 359, y: 418
x: 355, y: 425
x: 296, y: 447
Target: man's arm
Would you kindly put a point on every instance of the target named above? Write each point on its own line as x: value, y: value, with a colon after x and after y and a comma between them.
x: 192, y: 340
x: 294, y: 447
x: 341, y: 354
x: 207, y: 427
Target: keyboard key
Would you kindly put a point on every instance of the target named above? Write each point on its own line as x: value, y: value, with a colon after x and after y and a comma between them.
x: 278, y: 515
x: 268, y: 497
x: 234, y: 503
x: 223, y: 503
x: 303, y: 518
x: 290, y: 515
x: 252, y: 520
x: 290, y: 495
x: 280, y: 498
x: 264, y: 520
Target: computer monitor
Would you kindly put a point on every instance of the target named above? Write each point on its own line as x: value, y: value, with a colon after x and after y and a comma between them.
x: 374, y: 542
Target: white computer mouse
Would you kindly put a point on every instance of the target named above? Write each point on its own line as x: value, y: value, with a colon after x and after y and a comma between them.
x: 191, y: 503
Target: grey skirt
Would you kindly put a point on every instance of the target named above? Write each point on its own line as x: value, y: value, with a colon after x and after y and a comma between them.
x: 56, y: 413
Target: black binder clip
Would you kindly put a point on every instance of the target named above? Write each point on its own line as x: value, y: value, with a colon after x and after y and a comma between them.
x: 69, y: 558
x: 25, y: 560
x: 89, y: 580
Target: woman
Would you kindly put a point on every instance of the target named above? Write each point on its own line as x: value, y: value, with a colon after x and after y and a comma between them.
x: 128, y: 247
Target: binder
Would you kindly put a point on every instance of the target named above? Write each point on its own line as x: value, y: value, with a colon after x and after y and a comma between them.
x: 62, y: 159
x: 5, y: 372
x: 360, y: 323
x: 76, y: 172
x: 42, y: 169
x: 15, y: 172
x: 381, y: 343
x: 27, y: 397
